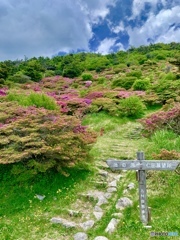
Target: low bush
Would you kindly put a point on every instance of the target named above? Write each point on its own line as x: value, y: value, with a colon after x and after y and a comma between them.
x: 141, y: 84
x: 131, y: 107
x: 33, y: 99
x: 169, y: 120
x: 41, y: 139
x: 19, y: 78
x: 104, y: 104
x: 136, y: 74
x: 125, y: 82
x: 87, y: 76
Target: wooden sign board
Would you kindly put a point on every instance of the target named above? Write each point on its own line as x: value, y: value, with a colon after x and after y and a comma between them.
x: 142, y: 165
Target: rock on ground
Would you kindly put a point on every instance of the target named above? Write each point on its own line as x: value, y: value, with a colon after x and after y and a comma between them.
x: 123, y: 202
x: 63, y: 222
x: 80, y: 236
x: 87, y: 225
x: 101, y: 238
x: 112, y: 225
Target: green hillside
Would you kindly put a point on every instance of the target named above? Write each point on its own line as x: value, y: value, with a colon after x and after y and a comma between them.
x: 61, y: 118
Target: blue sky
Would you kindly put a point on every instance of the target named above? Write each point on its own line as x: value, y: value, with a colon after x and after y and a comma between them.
x: 45, y: 27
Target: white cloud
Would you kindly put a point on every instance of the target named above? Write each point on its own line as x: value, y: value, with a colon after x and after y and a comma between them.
x: 139, y: 5
x: 44, y: 27
x: 157, y: 27
x: 119, y: 28
x: 106, y: 45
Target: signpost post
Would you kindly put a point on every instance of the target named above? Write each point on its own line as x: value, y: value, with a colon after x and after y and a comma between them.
x: 142, y: 165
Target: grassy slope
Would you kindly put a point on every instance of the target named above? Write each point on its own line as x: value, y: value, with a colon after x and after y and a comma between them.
x: 22, y: 216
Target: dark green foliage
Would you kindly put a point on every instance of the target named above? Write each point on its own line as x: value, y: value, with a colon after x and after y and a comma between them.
x: 71, y: 70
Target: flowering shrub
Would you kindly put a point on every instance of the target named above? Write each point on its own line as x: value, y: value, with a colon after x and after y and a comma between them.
x: 3, y: 92
x: 126, y: 94
x: 169, y: 119
x: 167, y: 155
x: 42, y: 139
x: 94, y: 95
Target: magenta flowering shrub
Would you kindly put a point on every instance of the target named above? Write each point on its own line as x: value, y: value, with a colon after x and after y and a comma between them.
x: 3, y: 92
x: 88, y: 84
x: 169, y: 119
x: 42, y: 139
x: 127, y: 94
x: 94, y: 95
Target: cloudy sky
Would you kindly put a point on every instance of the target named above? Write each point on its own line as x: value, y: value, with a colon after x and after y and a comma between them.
x: 46, y: 27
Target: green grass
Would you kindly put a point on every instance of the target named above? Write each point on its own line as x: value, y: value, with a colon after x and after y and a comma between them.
x: 23, y: 216
x: 33, y: 99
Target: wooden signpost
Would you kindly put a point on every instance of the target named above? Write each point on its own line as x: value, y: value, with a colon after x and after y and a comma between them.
x: 142, y: 165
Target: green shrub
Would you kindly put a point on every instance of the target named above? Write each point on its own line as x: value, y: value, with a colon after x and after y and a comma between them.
x: 169, y: 76
x: 125, y: 82
x: 87, y: 76
x: 131, y: 107
x: 101, y: 80
x: 33, y: 99
x: 167, y: 89
x: 141, y: 84
x: 104, y: 104
x: 19, y: 78
x: 49, y: 73
x: 136, y: 74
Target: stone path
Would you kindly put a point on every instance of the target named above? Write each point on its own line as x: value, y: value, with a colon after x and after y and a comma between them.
x: 92, y: 205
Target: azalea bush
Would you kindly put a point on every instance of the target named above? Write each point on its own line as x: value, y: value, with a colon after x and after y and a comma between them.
x: 162, y: 119
x: 35, y: 140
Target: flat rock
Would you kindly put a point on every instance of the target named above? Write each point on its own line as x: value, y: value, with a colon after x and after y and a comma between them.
x: 102, y: 200
x: 101, y: 238
x: 113, y: 184
x: 112, y: 225
x: 97, y: 209
x: 80, y: 236
x: 95, y: 194
x: 131, y: 186
x: 112, y: 189
x: 123, y: 202
x: 87, y: 225
x: 98, y: 215
x: 103, y: 173
x: 108, y: 195
x: 63, y: 222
